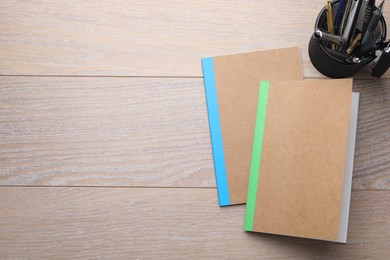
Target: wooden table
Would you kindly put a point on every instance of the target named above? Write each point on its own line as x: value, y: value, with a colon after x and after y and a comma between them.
x: 104, y: 141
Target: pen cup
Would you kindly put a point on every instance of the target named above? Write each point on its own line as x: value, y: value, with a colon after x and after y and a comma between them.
x: 332, y: 60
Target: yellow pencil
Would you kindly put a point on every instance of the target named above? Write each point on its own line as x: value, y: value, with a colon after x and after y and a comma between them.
x: 329, y: 18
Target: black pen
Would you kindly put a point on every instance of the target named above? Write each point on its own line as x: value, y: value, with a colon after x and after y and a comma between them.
x: 368, y: 15
x: 369, y: 42
x: 376, y: 16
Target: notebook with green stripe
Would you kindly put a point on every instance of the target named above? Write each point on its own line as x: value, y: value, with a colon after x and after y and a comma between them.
x: 302, y: 159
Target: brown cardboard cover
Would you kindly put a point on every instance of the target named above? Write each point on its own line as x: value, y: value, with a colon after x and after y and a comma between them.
x: 303, y: 158
x: 237, y: 80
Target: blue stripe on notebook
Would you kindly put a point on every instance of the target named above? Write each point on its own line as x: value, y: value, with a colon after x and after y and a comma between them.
x: 215, y: 131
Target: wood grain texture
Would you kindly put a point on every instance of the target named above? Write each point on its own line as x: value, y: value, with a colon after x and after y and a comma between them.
x: 372, y: 153
x: 104, y: 132
x: 150, y: 132
x: 65, y: 131
x: 118, y: 223
x: 143, y: 38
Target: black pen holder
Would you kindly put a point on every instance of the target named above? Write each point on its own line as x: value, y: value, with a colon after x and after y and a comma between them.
x: 336, y: 63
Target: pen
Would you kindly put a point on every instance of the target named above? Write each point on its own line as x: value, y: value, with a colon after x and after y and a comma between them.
x: 339, y: 13
x: 369, y: 43
x: 368, y: 14
x: 376, y: 16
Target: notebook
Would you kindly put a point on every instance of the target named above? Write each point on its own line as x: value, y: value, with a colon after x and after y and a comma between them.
x: 231, y: 86
x: 302, y: 159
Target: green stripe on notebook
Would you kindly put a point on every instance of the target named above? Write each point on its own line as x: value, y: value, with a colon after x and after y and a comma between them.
x: 256, y: 155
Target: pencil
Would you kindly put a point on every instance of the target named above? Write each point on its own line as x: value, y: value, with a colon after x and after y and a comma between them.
x: 329, y: 18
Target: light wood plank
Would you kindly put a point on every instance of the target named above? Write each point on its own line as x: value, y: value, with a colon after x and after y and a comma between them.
x: 166, y: 223
x: 372, y: 153
x: 141, y: 132
x: 138, y: 38
x: 104, y: 132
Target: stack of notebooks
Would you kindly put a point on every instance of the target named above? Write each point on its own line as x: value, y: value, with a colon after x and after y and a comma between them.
x: 281, y: 144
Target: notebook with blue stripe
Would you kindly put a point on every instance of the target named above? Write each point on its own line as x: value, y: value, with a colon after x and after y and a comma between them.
x: 231, y: 88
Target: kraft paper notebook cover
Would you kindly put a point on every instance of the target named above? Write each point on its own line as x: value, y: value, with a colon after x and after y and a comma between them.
x: 231, y: 85
x: 302, y: 159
